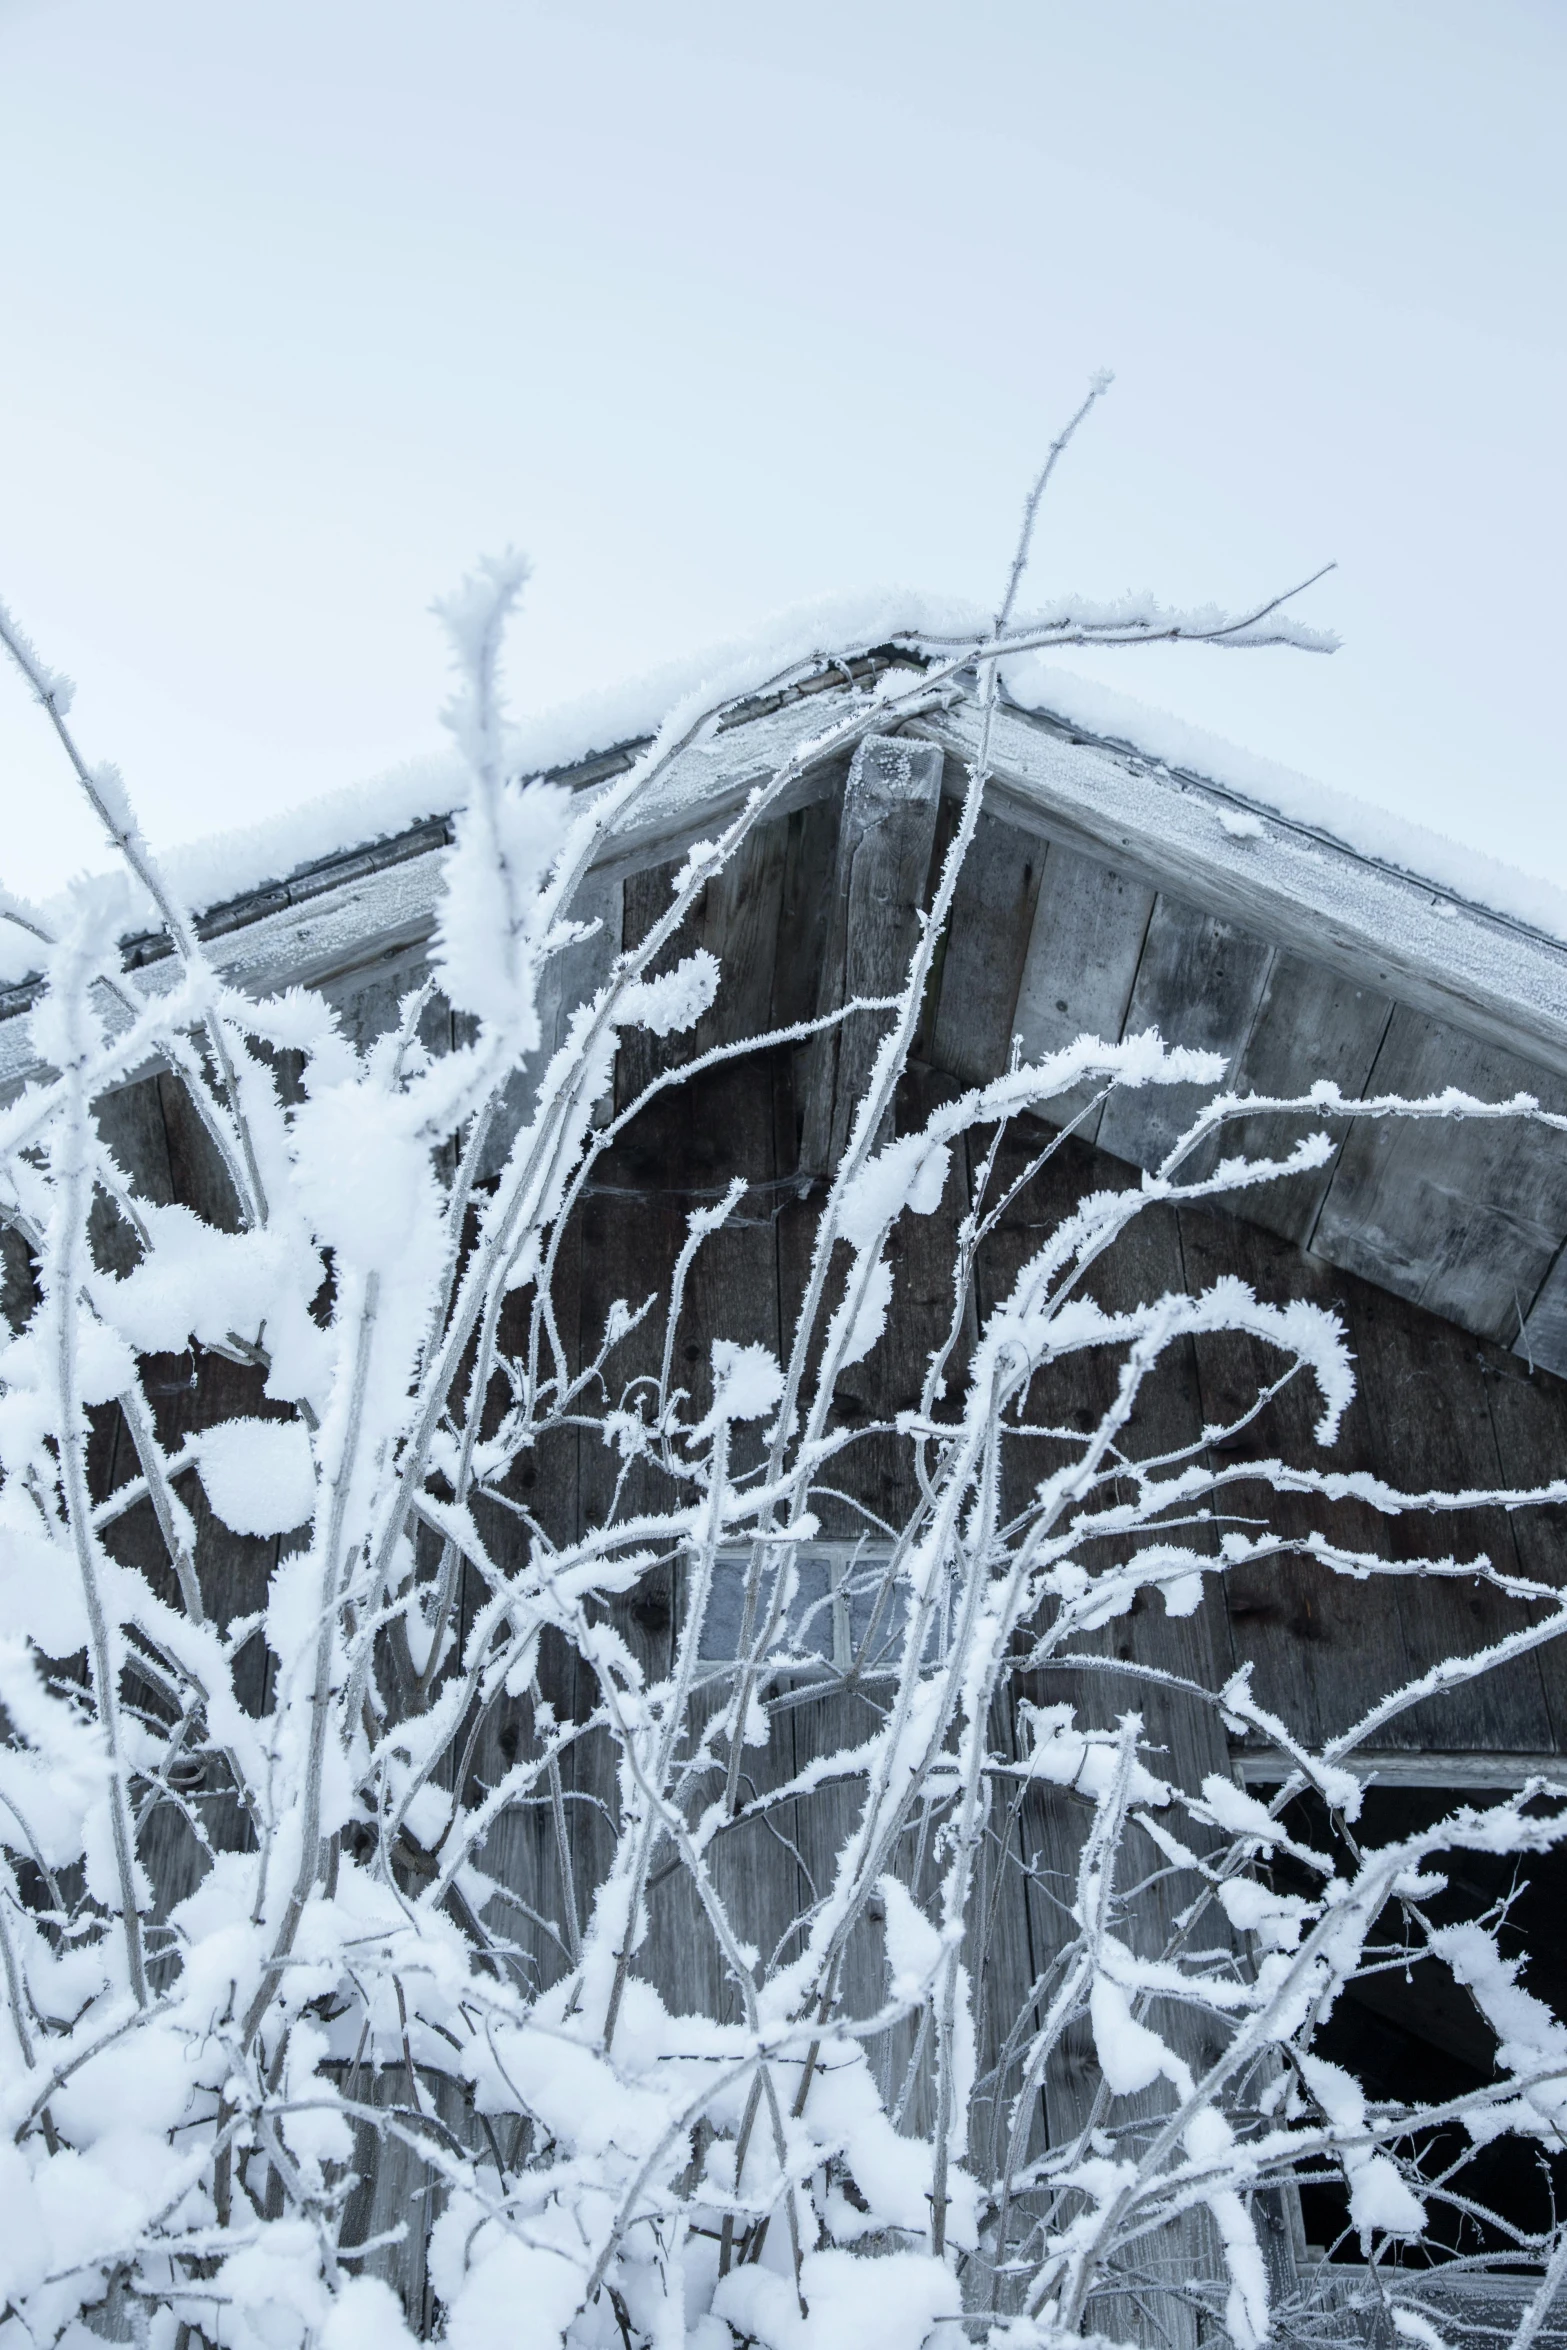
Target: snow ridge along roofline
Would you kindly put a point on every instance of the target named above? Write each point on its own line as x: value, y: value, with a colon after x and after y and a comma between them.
x: 1275, y: 873
x: 1282, y: 879
x: 315, y: 877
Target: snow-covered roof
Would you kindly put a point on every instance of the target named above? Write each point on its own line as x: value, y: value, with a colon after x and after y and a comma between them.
x: 1129, y: 888
x: 1432, y: 914
x: 219, y: 869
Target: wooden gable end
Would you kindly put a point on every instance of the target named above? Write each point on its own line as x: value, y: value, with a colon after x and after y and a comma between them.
x: 1438, y: 1244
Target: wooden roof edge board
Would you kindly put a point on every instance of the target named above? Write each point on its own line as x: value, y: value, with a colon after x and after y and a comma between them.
x: 356, y: 924
x: 1266, y: 1766
x: 379, y: 901
x: 429, y: 835
x: 1286, y: 883
x: 322, y: 877
x: 1192, y: 778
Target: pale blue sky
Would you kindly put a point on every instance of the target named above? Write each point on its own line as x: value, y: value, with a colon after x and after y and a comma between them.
x: 714, y: 308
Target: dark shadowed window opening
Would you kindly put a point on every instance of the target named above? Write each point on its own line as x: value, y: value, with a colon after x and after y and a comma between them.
x: 1412, y: 2035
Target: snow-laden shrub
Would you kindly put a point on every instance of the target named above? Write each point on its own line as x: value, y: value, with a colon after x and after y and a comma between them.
x: 195, y: 2100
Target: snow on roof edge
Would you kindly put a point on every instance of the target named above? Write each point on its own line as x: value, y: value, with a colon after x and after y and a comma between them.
x: 1420, y: 851
x: 209, y: 871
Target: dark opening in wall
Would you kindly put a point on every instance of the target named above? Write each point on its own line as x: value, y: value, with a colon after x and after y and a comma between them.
x: 1412, y: 2035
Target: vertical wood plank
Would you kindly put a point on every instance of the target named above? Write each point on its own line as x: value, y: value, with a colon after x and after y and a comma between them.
x: 368, y: 1000
x: 884, y: 849
x: 1430, y: 1414
x: 568, y: 979
x: 679, y: 1155
x: 732, y: 1294
x: 810, y: 851
x: 1529, y: 1418
x: 521, y: 1852
x: 1074, y: 1393
x: 1542, y: 1342
x: 18, y: 1286
x: 1083, y: 951
x: 146, y: 1128
x: 875, y: 1475
x: 988, y: 940
x: 1310, y: 1024
x: 1323, y: 1648
x: 1198, y: 984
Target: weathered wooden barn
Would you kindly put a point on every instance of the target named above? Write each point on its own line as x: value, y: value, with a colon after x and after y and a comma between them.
x: 1106, y: 893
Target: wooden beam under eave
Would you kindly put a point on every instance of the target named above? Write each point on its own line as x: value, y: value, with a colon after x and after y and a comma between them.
x: 885, y: 837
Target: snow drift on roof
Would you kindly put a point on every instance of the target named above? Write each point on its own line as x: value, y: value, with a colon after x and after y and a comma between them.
x: 207, y: 872
x: 1417, y: 849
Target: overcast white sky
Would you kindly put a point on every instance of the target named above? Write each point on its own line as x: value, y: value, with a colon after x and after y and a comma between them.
x: 717, y: 307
